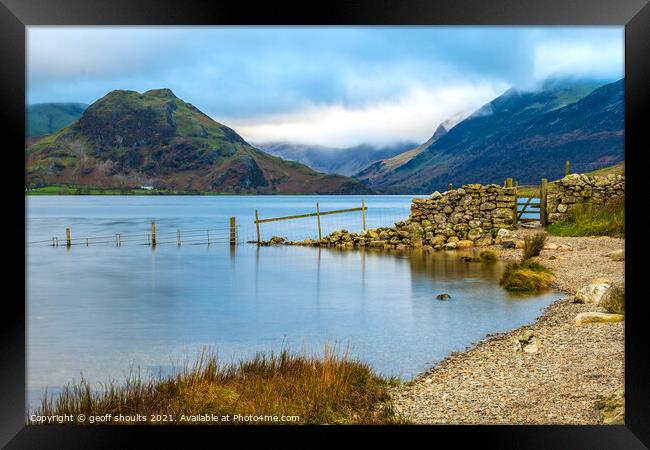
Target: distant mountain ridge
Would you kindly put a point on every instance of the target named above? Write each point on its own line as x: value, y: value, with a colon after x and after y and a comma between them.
x: 524, y: 135
x: 128, y: 139
x: 342, y: 161
x: 48, y: 118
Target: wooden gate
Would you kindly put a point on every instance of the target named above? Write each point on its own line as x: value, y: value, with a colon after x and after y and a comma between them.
x: 534, y: 206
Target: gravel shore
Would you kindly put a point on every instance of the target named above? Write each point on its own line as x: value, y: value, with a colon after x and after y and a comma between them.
x: 491, y: 383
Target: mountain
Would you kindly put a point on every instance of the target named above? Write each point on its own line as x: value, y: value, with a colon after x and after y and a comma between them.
x: 128, y: 139
x: 523, y: 135
x: 344, y: 161
x: 377, y: 170
x: 48, y: 118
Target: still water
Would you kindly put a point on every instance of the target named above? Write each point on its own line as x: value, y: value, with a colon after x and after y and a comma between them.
x: 100, y: 310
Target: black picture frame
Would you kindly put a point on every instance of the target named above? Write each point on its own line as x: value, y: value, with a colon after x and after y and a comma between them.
x: 15, y: 15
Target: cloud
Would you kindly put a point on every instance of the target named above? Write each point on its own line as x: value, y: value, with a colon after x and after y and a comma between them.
x: 412, y: 117
x: 286, y: 79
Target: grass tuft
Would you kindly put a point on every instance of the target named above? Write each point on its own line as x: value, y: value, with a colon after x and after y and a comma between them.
x: 488, y: 256
x: 533, y: 245
x: 592, y: 220
x: 331, y: 389
x: 526, y: 276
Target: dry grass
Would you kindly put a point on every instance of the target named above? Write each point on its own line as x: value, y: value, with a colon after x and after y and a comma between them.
x: 331, y: 389
x: 526, y: 276
x: 533, y: 245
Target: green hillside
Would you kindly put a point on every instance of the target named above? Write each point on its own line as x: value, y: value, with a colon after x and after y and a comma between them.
x: 48, y: 118
x: 127, y: 139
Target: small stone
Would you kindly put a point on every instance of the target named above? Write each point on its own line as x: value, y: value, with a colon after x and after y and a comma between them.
x: 508, y: 244
x: 550, y: 246
x: 464, y: 243
x: 612, y: 407
x: 443, y: 296
x: 613, y: 300
x: 592, y: 293
x: 598, y: 317
x: 618, y: 255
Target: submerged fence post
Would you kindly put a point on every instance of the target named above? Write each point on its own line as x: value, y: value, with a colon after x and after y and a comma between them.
x: 566, y: 168
x: 257, y: 224
x: 178, y: 237
x: 363, y: 214
x: 233, y: 231
x: 68, y: 241
x: 208, y: 236
x: 318, y: 220
x: 543, y: 196
x: 53, y: 244
x: 153, y: 233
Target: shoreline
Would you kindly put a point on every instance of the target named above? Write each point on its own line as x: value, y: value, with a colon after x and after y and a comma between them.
x: 491, y: 383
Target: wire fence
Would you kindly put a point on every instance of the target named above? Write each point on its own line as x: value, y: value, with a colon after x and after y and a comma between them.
x: 222, y: 233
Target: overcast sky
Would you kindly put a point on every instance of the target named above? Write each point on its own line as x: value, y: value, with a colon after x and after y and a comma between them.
x: 333, y: 86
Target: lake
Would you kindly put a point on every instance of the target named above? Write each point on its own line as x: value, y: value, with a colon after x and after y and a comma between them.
x: 99, y: 310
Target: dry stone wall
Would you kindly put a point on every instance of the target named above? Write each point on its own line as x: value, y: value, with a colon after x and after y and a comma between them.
x: 473, y: 215
x: 576, y: 189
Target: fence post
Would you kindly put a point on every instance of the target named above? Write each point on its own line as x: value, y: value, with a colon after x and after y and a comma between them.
x: 363, y: 214
x: 318, y: 220
x: 542, y: 201
x: 257, y: 224
x: 516, y: 209
x: 178, y: 237
x: 153, y: 234
x: 508, y: 183
x: 68, y: 241
x: 566, y: 168
x: 450, y: 187
x: 208, y: 237
x: 53, y: 245
x: 233, y: 231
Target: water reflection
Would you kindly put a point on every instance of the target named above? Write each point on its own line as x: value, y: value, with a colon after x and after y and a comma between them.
x: 97, y: 310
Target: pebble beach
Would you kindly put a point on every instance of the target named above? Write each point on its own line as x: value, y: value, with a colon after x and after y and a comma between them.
x: 560, y: 383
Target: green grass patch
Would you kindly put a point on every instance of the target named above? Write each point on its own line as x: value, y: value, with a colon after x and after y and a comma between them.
x: 488, y: 256
x: 527, y: 276
x: 593, y: 220
x: 332, y: 389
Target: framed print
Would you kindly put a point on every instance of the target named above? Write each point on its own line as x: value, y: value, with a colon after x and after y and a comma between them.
x: 382, y: 217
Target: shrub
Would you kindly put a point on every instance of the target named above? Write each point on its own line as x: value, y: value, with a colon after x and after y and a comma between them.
x: 526, y: 276
x: 587, y: 219
x: 533, y: 245
x: 331, y: 389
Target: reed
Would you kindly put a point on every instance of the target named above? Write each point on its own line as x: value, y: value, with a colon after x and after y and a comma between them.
x: 332, y: 389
